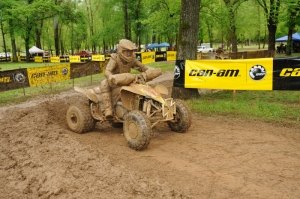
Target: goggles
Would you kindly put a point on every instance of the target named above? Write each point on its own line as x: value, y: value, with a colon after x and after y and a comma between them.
x: 128, y: 53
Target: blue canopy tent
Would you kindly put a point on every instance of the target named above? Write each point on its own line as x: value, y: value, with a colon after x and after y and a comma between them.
x: 164, y: 44
x: 156, y: 45
x: 153, y: 45
x: 295, y: 41
x: 295, y: 37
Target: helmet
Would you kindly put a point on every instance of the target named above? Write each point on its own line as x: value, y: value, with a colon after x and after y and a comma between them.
x: 126, y: 50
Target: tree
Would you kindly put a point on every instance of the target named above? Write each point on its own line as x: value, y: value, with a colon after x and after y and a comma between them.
x: 6, y: 15
x: 232, y: 6
x: 187, y: 41
x: 271, y: 11
x: 2, y: 30
x: 294, y: 16
x: 127, y: 23
x: 24, y: 17
x: 162, y: 20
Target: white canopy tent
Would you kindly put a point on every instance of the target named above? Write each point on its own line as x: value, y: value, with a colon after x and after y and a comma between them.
x: 36, y: 50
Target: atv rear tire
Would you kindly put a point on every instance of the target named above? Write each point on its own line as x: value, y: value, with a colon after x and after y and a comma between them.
x: 79, y: 118
x: 182, y: 120
x: 137, y: 130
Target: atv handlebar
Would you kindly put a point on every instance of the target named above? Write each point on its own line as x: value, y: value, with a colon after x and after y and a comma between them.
x: 125, y: 79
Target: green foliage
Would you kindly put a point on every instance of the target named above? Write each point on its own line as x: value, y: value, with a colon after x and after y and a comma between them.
x: 84, y: 24
x: 163, y: 19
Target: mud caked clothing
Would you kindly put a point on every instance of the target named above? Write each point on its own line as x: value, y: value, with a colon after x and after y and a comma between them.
x: 117, y: 66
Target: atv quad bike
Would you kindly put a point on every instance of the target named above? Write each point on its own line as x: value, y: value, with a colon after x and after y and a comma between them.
x: 138, y: 107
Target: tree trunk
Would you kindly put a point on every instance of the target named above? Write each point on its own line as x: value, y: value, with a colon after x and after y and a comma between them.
x: 289, y: 45
x: 91, y: 24
x: 27, y: 40
x: 272, y: 31
x: 3, y: 38
x: 189, y: 29
x: 232, y: 33
x: 138, y: 24
x: 127, y: 20
x: 187, y: 41
x: 56, y: 36
x: 72, y: 39
x: 272, y: 12
x: 294, y: 13
x: 13, y: 41
x: 231, y: 6
x: 38, y: 33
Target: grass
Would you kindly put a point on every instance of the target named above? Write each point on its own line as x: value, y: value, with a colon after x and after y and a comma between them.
x: 270, y: 106
x: 165, y: 66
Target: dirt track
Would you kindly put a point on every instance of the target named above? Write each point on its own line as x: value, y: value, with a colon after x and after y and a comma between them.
x: 217, y: 158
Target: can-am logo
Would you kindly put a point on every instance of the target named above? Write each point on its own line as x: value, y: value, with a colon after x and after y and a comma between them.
x: 64, y: 71
x: 257, y: 72
x: 176, y: 72
x: 19, y: 78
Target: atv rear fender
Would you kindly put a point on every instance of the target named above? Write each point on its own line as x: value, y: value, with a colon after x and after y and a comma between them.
x: 92, y: 94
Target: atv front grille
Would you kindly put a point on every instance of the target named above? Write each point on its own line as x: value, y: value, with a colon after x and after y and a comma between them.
x: 168, y: 109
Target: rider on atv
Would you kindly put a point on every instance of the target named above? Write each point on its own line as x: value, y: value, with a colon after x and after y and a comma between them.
x: 121, y: 62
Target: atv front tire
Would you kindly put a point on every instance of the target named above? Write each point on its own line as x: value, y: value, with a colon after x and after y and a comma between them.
x: 79, y: 118
x: 137, y: 130
x: 182, y: 119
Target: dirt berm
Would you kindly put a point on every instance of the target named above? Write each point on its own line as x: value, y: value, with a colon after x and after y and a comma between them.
x: 219, y: 157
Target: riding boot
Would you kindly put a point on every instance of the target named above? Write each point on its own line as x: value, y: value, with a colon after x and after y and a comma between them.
x: 107, y: 105
x: 106, y: 99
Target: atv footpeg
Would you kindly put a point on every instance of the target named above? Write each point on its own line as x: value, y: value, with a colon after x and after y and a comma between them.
x: 96, y: 113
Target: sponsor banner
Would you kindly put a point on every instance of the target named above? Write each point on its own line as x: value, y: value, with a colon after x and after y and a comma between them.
x: 85, y: 59
x: 252, y: 74
x: 179, y: 73
x: 243, y: 74
x: 148, y: 57
x: 55, y: 59
x: 13, y: 79
x: 84, y: 69
x: 161, y: 56
x: 98, y: 57
x: 74, y: 59
x: 38, y: 59
x: 171, y: 55
x: 64, y: 58
x: 45, y: 75
x: 286, y: 74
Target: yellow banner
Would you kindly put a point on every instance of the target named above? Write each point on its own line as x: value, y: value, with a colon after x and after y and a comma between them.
x: 148, y: 57
x: 98, y: 57
x: 171, y: 55
x: 55, y: 59
x: 74, y: 59
x: 38, y: 59
x: 45, y: 75
x: 246, y: 74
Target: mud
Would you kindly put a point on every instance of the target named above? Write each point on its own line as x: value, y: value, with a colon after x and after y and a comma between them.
x: 217, y: 158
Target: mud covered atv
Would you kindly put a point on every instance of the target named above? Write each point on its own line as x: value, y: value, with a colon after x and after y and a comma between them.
x: 137, y: 107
